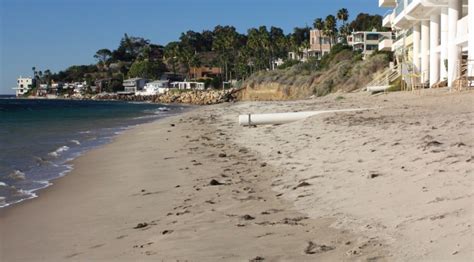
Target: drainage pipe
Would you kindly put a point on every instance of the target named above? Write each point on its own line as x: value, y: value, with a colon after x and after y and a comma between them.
x: 282, y: 118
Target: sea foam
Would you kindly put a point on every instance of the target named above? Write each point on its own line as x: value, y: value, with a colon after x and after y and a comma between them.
x: 58, y: 151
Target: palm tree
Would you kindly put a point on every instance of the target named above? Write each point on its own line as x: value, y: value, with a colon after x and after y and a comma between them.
x: 319, y: 25
x: 34, y: 75
x: 343, y: 15
x: 330, y: 28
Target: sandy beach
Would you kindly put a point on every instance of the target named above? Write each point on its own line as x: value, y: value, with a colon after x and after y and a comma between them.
x: 389, y: 184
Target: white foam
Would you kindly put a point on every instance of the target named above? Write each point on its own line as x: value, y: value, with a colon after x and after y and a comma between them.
x: 3, y: 184
x: 17, y: 174
x: 58, y: 151
x: 75, y: 142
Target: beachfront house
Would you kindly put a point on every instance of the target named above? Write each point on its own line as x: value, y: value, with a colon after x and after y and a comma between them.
x: 434, y: 39
x: 155, y: 87
x: 133, y: 85
x: 24, y: 84
x: 185, y: 85
x: 367, y: 41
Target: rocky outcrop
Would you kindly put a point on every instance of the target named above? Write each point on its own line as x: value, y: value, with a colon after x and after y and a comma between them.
x: 196, y: 97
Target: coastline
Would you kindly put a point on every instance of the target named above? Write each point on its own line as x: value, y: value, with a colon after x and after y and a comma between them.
x: 271, y: 198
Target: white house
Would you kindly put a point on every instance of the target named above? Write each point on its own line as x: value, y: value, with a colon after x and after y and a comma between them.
x: 434, y: 36
x: 188, y: 85
x: 133, y: 85
x: 24, y: 84
x: 155, y: 87
x: 367, y: 41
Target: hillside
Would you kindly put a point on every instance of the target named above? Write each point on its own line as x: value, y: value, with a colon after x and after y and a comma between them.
x: 342, y: 70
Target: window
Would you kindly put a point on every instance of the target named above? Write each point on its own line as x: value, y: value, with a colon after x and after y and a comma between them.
x: 372, y: 36
x: 372, y: 47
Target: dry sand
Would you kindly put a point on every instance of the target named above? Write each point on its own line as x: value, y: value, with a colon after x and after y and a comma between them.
x: 393, y: 184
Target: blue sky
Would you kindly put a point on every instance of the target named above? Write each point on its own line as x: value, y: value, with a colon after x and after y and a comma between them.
x: 54, y: 34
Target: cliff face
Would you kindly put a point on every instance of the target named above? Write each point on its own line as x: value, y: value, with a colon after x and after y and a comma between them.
x: 344, y: 73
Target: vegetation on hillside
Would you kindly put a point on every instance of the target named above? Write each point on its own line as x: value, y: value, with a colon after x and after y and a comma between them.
x: 341, y: 70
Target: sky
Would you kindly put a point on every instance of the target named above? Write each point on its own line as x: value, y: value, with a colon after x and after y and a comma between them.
x: 55, y: 34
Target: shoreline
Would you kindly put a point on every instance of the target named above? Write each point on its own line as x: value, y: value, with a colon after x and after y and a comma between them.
x: 62, y: 157
x: 197, y: 186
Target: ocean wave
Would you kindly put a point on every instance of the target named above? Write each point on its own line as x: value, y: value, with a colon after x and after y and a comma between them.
x: 58, y: 151
x: 85, y: 132
x: 3, y: 184
x: 17, y: 175
x: 75, y: 142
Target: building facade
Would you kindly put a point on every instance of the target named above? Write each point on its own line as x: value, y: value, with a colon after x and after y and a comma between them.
x: 434, y: 36
x: 367, y: 41
x: 204, y: 72
x: 133, y: 85
x: 24, y: 84
x: 319, y: 45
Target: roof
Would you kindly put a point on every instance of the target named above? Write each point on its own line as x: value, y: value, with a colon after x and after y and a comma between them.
x: 134, y: 79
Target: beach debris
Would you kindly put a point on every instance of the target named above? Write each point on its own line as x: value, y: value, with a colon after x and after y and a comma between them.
x: 172, y: 124
x: 165, y: 232
x: 279, y: 152
x: 373, y: 175
x: 460, y: 144
x: 214, y: 182
x: 247, y: 217
x: 263, y: 164
x: 302, y: 184
x: 141, y: 225
x: 256, y: 259
x: 314, y: 248
x: 222, y: 155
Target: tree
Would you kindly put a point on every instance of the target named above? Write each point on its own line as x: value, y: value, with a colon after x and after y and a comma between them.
x: 366, y: 22
x: 225, y: 43
x: 278, y: 44
x: 103, y: 55
x: 319, y: 25
x: 171, y: 55
x: 343, y: 15
x: 330, y: 29
x: 146, y: 69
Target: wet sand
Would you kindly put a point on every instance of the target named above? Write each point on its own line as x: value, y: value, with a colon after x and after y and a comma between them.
x: 380, y: 185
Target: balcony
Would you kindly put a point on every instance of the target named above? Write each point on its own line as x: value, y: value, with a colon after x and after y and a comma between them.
x: 387, y: 20
x: 387, y: 3
x: 385, y: 44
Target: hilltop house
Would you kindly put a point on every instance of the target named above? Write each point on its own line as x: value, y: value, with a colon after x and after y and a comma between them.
x: 133, y: 85
x: 435, y: 38
x: 24, y: 84
x: 204, y: 72
x: 367, y: 41
x: 319, y: 45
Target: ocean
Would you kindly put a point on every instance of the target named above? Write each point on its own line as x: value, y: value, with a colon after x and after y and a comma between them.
x: 39, y: 138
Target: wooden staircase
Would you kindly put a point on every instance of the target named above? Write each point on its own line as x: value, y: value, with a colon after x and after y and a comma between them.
x: 464, y: 80
x: 382, y: 81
